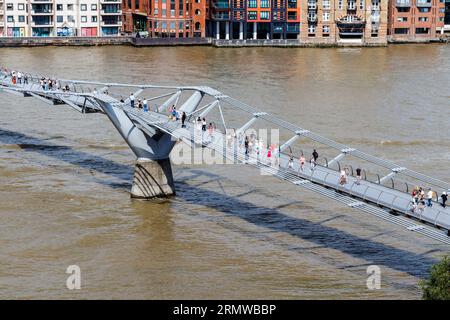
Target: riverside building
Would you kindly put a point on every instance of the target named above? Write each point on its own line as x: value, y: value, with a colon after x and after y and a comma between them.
x: 311, y: 21
x: 46, y: 18
x: 446, y: 18
x: 416, y: 20
x: 166, y: 18
x: 2, y: 18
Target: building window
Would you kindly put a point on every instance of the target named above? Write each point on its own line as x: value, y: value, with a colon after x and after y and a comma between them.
x: 361, y: 4
x: 180, y: 9
x: 340, y: 4
x: 422, y: 30
x: 252, y: 3
x: 163, y: 12
x: 252, y: 15
x: 292, y: 15
x: 326, y: 16
x: 83, y: 7
x: 326, y: 4
x: 59, y: 19
x: 197, y: 26
x: 292, y: 4
x: 155, y: 11
x: 326, y: 31
x: 423, y: 19
x: 59, y: 7
x: 21, y: 7
x: 401, y: 30
x: 94, y: 19
x: 375, y: 5
x: 197, y: 12
x: 402, y: 19
x: 70, y: 7
x: 9, y: 7
x: 83, y: 19
x: 70, y: 19
x: 264, y: 15
x: 424, y: 9
x: 93, y: 7
x: 311, y: 28
x: 21, y: 18
x: 163, y: 25
x: 10, y: 18
x: 172, y: 25
x: 264, y: 4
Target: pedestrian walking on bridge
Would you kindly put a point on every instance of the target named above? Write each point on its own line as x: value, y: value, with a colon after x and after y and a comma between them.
x: 132, y: 98
x: 315, y: 155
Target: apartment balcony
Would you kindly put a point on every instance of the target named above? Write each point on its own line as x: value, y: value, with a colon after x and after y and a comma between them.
x: 402, y: 3
x: 42, y: 24
x: 111, y: 23
x: 220, y: 16
x: 110, y: 13
x: 423, y: 3
x: 220, y: 4
x: 351, y: 25
x: 41, y: 12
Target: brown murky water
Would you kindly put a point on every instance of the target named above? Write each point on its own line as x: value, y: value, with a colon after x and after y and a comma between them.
x: 229, y: 233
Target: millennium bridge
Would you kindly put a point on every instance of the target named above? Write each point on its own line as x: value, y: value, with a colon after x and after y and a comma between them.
x: 152, y: 134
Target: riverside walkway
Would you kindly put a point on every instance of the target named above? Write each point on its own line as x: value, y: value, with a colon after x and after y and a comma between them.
x: 152, y: 134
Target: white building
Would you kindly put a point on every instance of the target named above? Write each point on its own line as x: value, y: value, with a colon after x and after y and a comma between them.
x: 15, y: 18
x: 2, y: 18
x: 46, y: 18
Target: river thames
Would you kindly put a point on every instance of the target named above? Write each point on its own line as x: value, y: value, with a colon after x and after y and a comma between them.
x: 229, y: 232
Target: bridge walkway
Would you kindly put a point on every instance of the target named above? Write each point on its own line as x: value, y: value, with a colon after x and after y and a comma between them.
x: 367, y: 196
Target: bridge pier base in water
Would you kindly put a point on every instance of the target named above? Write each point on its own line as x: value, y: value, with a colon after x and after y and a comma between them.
x: 152, y: 179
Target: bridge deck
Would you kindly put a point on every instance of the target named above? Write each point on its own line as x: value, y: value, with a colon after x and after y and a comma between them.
x: 369, y: 197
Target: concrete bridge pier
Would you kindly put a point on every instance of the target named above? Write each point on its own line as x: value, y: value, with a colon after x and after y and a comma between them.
x: 152, y: 178
x: 152, y: 172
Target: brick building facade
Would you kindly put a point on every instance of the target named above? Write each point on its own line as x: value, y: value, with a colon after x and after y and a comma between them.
x: 310, y: 21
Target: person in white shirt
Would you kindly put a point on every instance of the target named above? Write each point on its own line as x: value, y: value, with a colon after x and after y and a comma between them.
x: 343, y: 177
x: 429, y: 198
x: 132, y: 98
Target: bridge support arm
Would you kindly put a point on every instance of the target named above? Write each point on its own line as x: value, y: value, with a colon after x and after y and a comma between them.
x: 288, y: 143
x: 340, y: 156
x: 169, y: 101
x: 391, y: 174
x: 153, y: 173
x: 246, y: 125
x: 192, y: 103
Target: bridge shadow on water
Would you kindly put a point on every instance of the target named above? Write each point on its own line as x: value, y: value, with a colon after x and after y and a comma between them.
x: 67, y: 154
x: 272, y: 219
